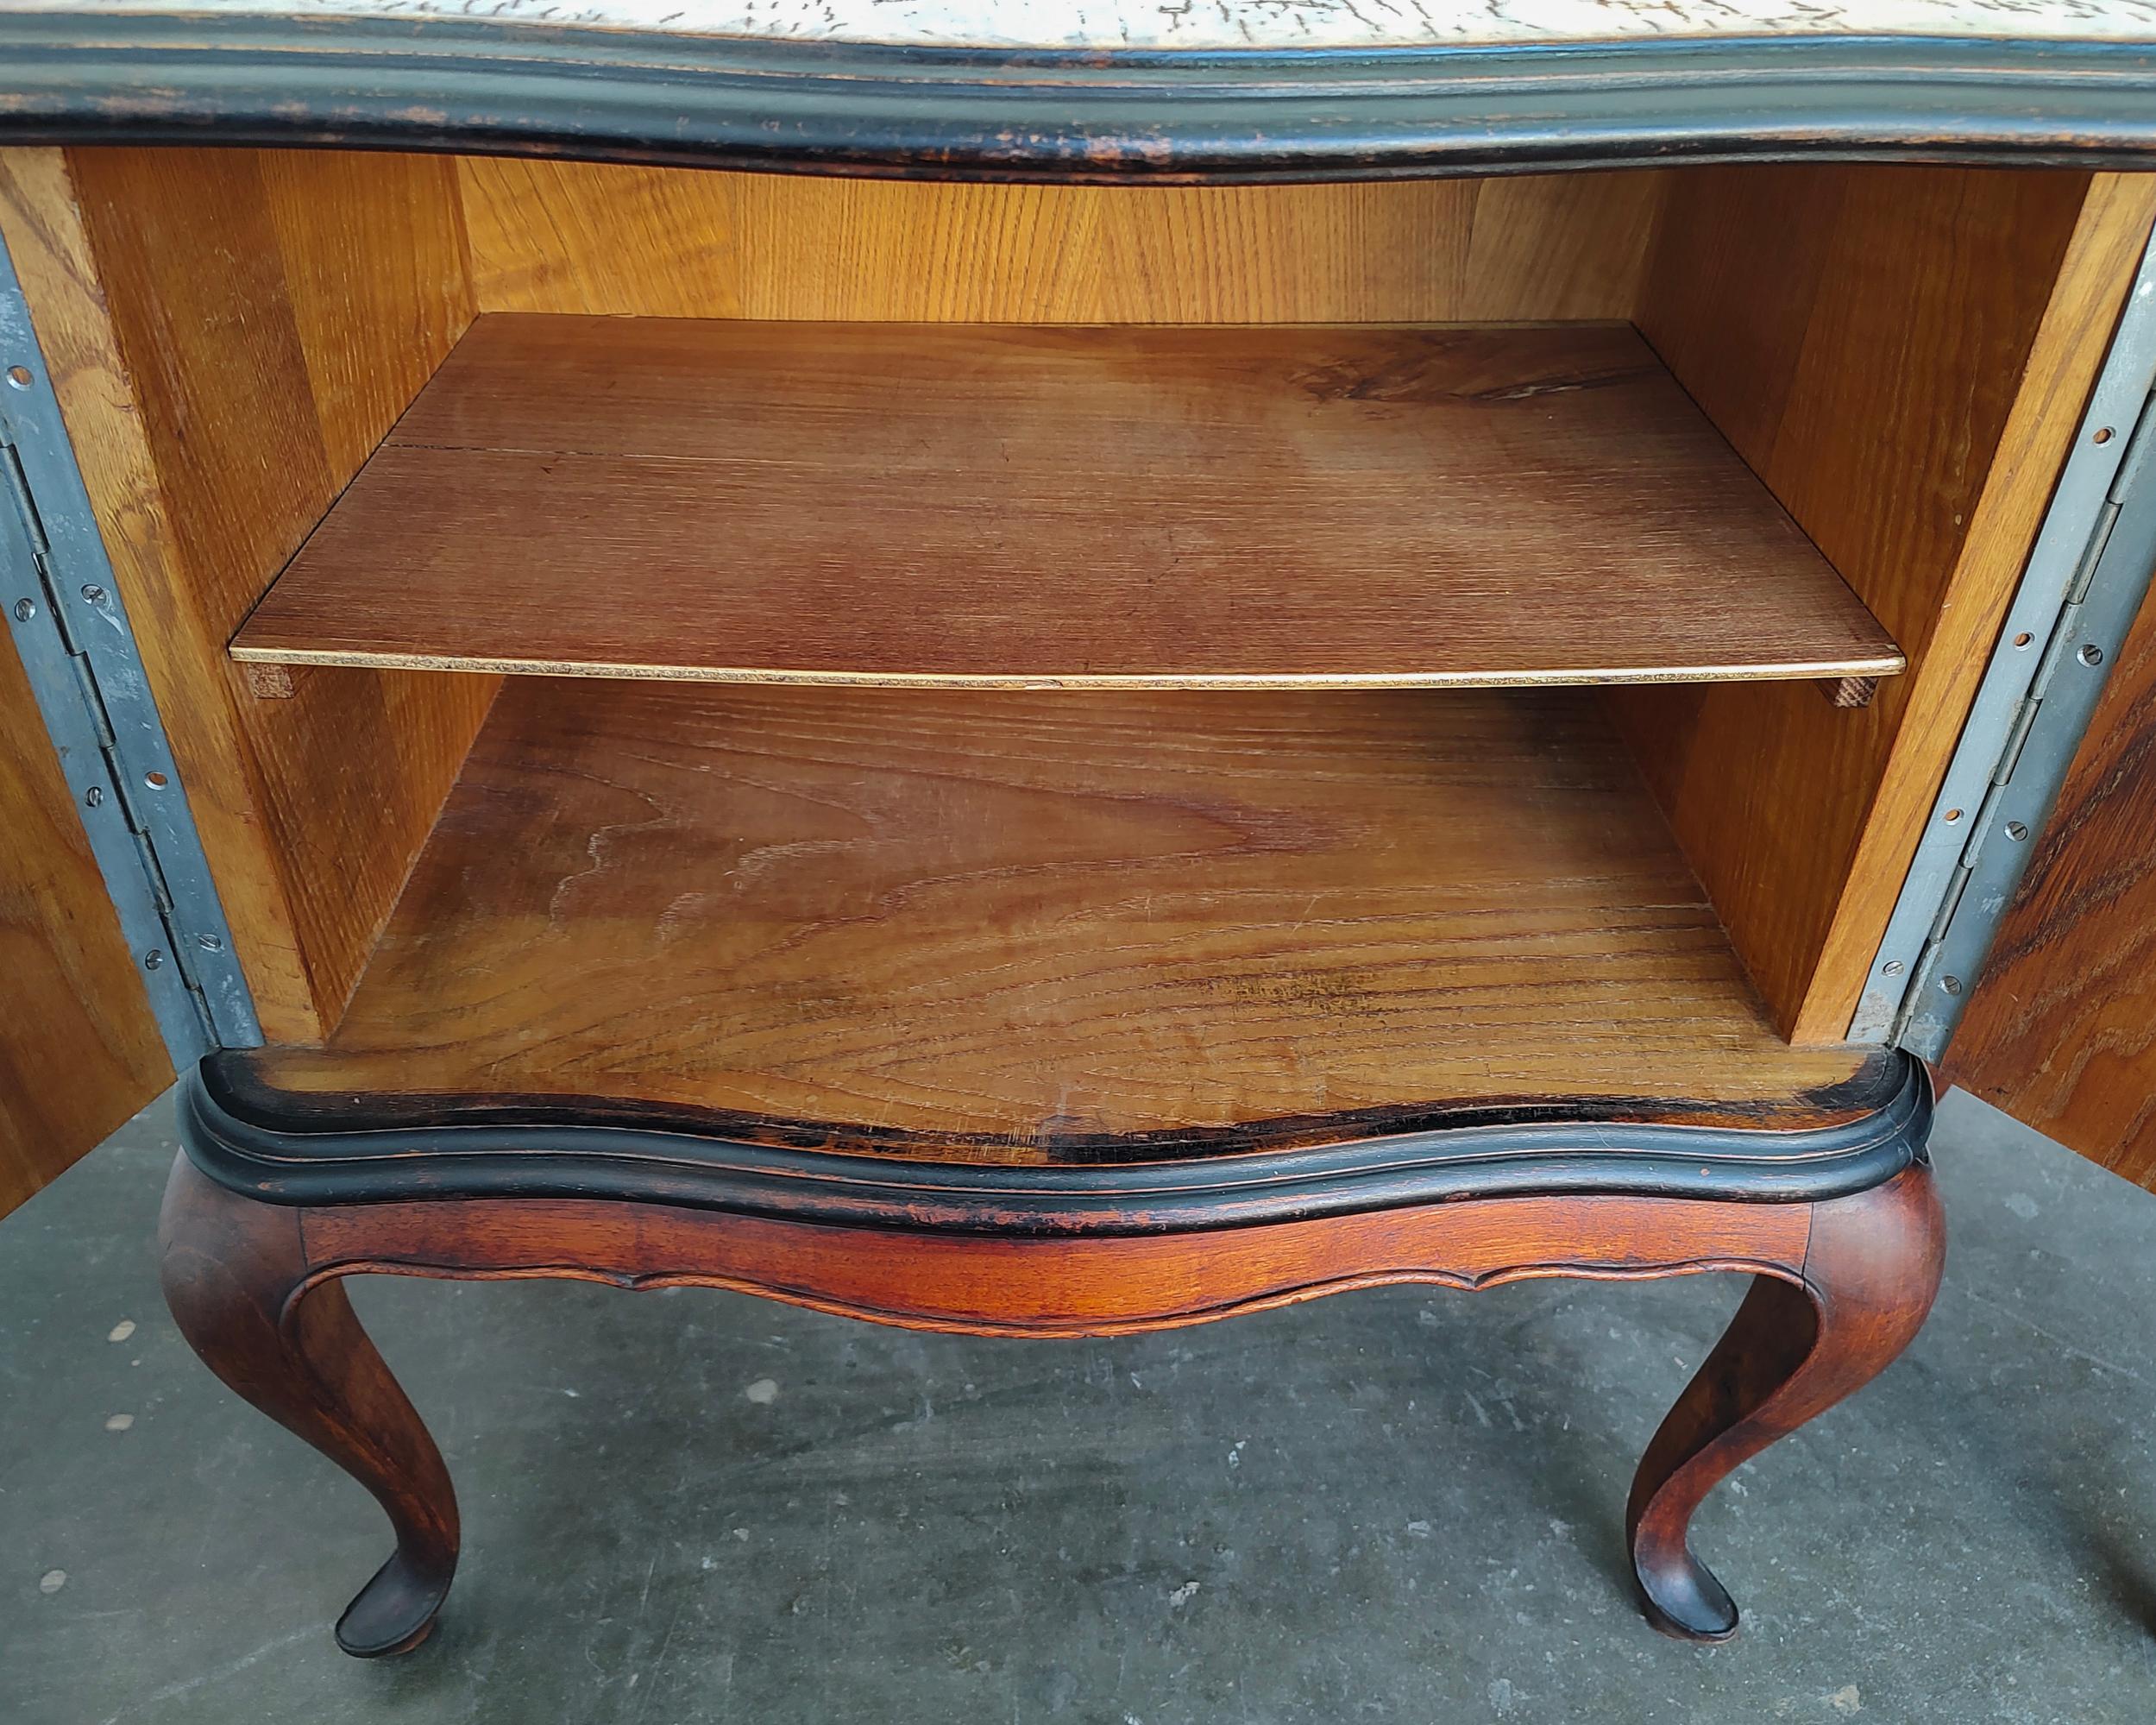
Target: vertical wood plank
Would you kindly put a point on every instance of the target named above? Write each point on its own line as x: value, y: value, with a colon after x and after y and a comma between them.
x: 79, y: 1051
x: 42, y: 223
x: 569, y: 237
x: 2061, y: 1030
x: 1910, y: 401
x: 1556, y: 246
x: 238, y: 330
x: 372, y: 251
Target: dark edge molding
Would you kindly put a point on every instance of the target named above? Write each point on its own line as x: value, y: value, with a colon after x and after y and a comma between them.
x: 488, y: 87
x: 264, y: 1160
x: 237, y: 1081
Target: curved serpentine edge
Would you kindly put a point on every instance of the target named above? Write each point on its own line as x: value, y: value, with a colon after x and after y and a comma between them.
x: 124, y: 74
x: 239, y: 1142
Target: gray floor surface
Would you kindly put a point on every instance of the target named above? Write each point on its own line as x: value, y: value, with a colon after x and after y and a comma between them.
x: 1401, y: 1505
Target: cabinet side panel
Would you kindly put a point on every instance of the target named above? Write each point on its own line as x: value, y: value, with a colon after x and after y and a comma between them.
x: 2061, y: 1030
x: 267, y: 315
x: 1902, y: 354
x: 569, y: 236
x: 78, y: 1049
x: 42, y: 224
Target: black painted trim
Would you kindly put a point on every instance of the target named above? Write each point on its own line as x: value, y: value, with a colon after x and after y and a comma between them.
x: 264, y: 1158
x: 487, y: 86
x: 235, y: 1082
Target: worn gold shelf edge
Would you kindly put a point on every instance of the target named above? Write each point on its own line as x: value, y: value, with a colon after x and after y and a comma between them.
x: 1885, y: 665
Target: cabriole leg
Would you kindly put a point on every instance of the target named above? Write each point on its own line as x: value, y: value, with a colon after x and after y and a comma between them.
x: 235, y: 1273
x: 1870, y: 1271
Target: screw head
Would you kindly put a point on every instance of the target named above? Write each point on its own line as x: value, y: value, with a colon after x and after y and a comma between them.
x: 153, y: 959
x: 2016, y: 829
x: 1893, y: 967
x: 210, y: 943
x: 94, y: 594
x: 94, y: 797
x: 2090, y: 655
x: 1951, y: 983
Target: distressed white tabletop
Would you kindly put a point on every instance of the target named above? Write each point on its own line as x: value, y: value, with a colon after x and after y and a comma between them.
x: 1230, y: 23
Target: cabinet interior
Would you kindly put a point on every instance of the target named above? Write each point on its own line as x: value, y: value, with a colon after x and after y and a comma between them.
x: 1731, y: 441
x: 1073, y: 924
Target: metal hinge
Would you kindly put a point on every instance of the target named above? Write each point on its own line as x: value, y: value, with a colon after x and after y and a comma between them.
x: 2026, y: 781
x: 2086, y: 579
x: 70, y: 632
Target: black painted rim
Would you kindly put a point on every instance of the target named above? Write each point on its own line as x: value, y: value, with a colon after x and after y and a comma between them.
x: 374, y: 1163
x: 492, y: 87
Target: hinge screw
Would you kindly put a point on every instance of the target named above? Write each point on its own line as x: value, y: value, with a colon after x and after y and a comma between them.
x: 1951, y: 983
x: 25, y: 609
x: 94, y: 797
x: 1894, y: 966
x: 2090, y: 655
x: 94, y: 594
x: 153, y: 959
x: 210, y: 943
x: 2016, y: 830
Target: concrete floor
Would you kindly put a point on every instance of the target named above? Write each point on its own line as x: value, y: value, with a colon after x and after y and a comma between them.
x: 1399, y: 1504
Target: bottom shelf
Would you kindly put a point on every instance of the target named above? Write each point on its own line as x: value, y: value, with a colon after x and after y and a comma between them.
x: 1054, y: 928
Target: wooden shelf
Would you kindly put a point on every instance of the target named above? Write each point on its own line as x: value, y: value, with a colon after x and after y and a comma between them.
x: 1004, y: 505
x: 1022, y: 926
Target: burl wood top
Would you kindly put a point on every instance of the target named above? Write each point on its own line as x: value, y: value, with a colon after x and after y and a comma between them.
x: 1014, y: 926
x: 1003, y: 505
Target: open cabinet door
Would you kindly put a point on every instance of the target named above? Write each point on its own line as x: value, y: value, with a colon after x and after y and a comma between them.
x: 80, y: 1050
x: 81, y: 1045
x: 2061, y: 1029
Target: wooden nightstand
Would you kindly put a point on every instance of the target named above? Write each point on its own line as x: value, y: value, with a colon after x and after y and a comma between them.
x: 1022, y: 747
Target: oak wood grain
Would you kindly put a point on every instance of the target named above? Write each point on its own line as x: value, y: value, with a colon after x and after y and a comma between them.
x: 41, y: 220
x: 2061, y: 1029
x: 2071, y: 342
x: 71, y: 1002
x: 1249, y: 507
x: 231, y: 332
x: 637, y: 241
x: 1901, y: 354
x: 1019, y: 919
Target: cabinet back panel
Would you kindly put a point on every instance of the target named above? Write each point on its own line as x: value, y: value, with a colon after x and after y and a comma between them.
x: 578, y: 237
